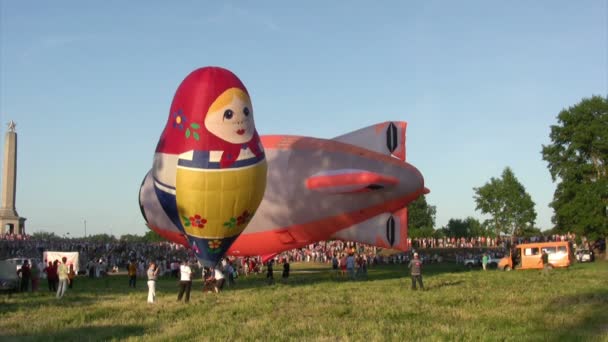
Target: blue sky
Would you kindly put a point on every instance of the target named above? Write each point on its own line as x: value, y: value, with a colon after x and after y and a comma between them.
x: 479, y: 83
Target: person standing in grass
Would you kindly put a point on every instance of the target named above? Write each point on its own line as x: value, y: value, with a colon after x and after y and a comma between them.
x: 343, y: 266
x: 208, y: 280
x: 270, y: 272
x: 285, y: 269
x: 152, y: 274
x: 185, y: 281
x: 25, y: 273
x: 219, y: 279
x: 484, y: 261
x: 350, y: 266
x: 71, y: 276
x: 62, y: 273
x: 51, y: 276
x: 334, y: 265
x: 230, y: 273
x: 35, y: 270
x: 544, y: 260
x: 132, y: 268
x: 415, y: 267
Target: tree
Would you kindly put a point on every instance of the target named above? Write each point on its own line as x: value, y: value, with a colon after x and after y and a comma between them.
x: 469, y: 227
x: 505, y: 199
x: 104, y: 238
x: 421, y: 218
x: 42, y: 235
x: 578, y: 161
x: 530, y: 231
x: 132, y: 238
x: 152, y: 236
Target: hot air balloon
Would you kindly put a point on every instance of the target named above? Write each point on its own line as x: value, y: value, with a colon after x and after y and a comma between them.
x: 209, y: 172
x: 354, y: 187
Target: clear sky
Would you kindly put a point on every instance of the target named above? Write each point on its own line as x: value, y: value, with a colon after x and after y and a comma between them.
x: 479, y: 83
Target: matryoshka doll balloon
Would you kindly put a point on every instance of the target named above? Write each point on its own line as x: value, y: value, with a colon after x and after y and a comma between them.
x: 209, y: 167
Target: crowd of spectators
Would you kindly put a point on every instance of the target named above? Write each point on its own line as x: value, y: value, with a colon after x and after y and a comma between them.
x: 484, y: 241
x: 95, y: 257
x: 99, y: 258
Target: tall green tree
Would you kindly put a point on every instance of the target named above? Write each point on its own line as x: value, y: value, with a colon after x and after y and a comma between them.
x: 421, y: 218
x: 469, y: 227
x: 578, y: 161
x: 505, y: 199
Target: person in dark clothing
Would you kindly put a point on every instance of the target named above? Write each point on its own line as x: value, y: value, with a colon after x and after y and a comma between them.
x: 270, y: 272
x: 415, y: 267
x: 25, y: 274
x: 51, y: 276
x: 132, y: 271
x: 285, y: 269
x: 208, y: 280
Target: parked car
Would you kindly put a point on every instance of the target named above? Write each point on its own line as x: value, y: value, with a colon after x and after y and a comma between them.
x: 476, y: 262
x: 9, y: 281
x: 18, y: 262
x: 584, y: 255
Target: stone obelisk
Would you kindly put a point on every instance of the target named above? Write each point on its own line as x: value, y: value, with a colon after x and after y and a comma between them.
x: 10, y: 222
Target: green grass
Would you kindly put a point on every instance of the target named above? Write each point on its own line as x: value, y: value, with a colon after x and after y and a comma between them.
x: 458, y: 304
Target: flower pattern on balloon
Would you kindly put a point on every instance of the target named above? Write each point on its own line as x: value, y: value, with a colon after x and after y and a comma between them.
x: 191, y: 131
x: 179, y: 119
x: 230, y: 223
x: 243, y: 218
x: 214, y: 246
x: 195, y: 221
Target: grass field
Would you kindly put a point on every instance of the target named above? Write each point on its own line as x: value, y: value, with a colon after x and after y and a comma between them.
x: 567, y: 305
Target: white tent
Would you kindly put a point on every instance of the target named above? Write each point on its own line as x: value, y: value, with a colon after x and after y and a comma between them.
x: 72, y: 258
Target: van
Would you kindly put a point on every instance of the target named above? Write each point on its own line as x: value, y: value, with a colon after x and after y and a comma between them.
x: 527, y: 256
x: 9, y: 281
x: 18, y: 262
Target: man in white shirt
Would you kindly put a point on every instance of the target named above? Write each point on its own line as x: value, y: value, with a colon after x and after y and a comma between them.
x: 219, y: 279
x: 185, y: 281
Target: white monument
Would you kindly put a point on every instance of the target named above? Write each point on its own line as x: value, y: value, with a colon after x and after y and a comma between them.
x: 10, y: 222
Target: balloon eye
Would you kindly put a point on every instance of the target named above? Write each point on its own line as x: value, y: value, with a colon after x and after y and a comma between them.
x: 228, y: 114
x: 246, y: 111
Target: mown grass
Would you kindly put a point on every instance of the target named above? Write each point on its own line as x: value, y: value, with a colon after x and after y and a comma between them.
x: 457, y: 305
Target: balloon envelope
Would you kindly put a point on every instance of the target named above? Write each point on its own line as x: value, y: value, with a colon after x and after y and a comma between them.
x: 209, y: 171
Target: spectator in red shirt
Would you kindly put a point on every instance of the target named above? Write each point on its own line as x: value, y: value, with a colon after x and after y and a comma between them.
x: 51, y: 276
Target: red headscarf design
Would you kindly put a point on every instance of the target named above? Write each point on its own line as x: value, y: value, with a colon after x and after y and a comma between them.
x: 191, y: 102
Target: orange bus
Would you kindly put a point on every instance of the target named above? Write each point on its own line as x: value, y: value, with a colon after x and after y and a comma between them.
x: 528, y: 256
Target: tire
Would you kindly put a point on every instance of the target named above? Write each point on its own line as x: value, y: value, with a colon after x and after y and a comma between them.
x: 507, y: 268
x: 469, y: 266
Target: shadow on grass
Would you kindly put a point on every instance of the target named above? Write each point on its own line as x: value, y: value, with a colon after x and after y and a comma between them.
x: 90, y: 291
x: 79, y: 334
x: 33, y: 301
x: 591, y: 324
x: 324, y: 275
x: 445, y: 284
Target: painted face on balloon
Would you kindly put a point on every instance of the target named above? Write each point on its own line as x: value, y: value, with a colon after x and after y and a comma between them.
x: 230, y: 117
